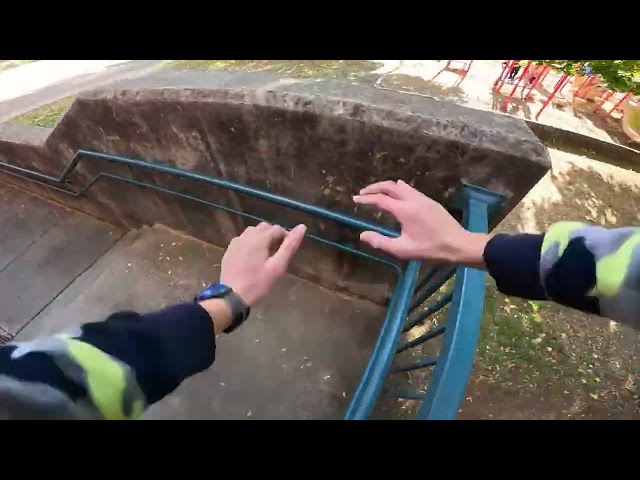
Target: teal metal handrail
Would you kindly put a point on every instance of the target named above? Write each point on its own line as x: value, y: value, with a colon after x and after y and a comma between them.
x: 460, y: 331
x: 61, y: 184
x: 453, y: 364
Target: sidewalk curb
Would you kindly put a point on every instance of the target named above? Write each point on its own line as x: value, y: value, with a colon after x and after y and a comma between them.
x: 579, y: 144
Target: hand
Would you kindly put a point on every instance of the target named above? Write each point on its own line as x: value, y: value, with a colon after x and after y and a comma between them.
x: 248, y: 266
x: 429, y: 232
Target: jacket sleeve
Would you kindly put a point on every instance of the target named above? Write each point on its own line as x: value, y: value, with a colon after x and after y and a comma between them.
x: 106, y: 370
x: 586, y: 267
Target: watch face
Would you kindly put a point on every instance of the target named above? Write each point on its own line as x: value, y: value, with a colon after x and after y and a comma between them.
x: 214, y: 291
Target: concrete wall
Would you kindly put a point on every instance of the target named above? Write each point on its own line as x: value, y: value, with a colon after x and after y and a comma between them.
x: 317, y: 149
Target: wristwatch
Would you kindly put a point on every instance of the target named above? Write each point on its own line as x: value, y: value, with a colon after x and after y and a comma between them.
x: 239, y: 310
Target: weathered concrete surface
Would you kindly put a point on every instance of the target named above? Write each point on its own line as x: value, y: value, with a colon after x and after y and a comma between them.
x: 299, y: 356
x: 23, y: 219
x: 43, y: 248
x: 309, y: 146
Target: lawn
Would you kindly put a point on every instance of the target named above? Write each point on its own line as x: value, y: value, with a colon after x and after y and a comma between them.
x: 325, y: 69
x: 7, y: 64
x: 45, y: 116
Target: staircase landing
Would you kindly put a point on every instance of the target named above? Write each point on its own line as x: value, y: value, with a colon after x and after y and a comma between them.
x: 299, y: 356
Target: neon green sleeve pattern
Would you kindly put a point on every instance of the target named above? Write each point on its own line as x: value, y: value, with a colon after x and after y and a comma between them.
x: 110, y: 390
x: 109, y: 370
x: 600, y: 265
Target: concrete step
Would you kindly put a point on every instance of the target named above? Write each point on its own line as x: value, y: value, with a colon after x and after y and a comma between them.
x: 23, y: 218
x: 43, y: 249
x: 59, y: 305
x: 299, y: 356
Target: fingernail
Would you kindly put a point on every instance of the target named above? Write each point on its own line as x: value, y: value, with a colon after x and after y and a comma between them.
x: 356, y: 197
x: 302, y: 227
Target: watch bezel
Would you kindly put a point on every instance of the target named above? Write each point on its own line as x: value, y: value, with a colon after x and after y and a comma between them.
x: 231, y: 298
x: 210, y: 292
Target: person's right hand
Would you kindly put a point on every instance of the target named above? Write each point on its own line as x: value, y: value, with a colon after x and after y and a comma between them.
x: 429, y: 232
x: 249, y: 267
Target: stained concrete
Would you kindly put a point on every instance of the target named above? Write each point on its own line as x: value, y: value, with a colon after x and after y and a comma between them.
x: 43, y: 248
x: 315, y: 142
x: 299, y: 356
x: 23, y: 219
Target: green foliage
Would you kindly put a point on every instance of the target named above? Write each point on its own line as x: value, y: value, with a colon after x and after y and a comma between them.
x: 324, y: 69
x: 46, y: 116
x: 8, y: 64
x: 620, y: 75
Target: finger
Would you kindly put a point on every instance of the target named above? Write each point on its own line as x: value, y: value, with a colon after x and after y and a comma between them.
x: 245, y: 233
x: 379, y: 200
x: 388, y: 187
x: 280, y: 260
x: 378, y: 241
x: 406, y: 188
x: 271, y: 233
x: 411, y: 192
x: 262, y: 226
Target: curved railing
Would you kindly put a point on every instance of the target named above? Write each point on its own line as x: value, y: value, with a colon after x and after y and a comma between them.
x: 454, y: 362
x: 452, y: 365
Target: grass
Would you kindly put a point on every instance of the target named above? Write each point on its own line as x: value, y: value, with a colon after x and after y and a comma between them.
x: 517, y: 341
x: 7, y: 64
x: 324, y: 69
x: 46, y: 116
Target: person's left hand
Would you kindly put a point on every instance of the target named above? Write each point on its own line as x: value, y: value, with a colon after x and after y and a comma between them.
x: 248, y: 266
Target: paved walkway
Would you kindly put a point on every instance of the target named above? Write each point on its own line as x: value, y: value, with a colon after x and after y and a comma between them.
x: 30, y: 86
x: 27, y: 87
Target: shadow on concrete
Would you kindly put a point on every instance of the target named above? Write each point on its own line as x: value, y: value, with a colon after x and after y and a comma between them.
x: 612, y: 126
x: 415, y: 84
x: 516, y: 104
x: 457, y: 71
x: 577, y: 193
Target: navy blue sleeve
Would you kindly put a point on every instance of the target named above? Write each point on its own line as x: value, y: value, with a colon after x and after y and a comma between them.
x: 112, y: 369
x: 514, y: 263
x: 163, y: 348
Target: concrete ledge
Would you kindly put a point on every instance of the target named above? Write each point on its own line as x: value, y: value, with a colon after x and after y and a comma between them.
x: 579, y: 144
x: 319, y: 149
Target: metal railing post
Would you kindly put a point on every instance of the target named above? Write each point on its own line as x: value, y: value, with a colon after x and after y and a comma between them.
x: 450, y: 375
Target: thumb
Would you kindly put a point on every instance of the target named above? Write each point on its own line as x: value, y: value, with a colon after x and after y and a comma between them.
x: 378, y: 241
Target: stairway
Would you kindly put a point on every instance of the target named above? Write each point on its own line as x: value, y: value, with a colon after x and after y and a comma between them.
x: 43, y: 248
x: 300, y: 355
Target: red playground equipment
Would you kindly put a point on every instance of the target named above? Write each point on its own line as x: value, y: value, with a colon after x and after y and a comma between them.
x: 463, y: 71
x: 531, y: 77
x: 611, y: 97
x: 466, y: 66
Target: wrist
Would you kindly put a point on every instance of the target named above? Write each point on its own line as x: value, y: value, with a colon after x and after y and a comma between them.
x: 469, y: 250
x: 243, y: 292
x: 219, y: 312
